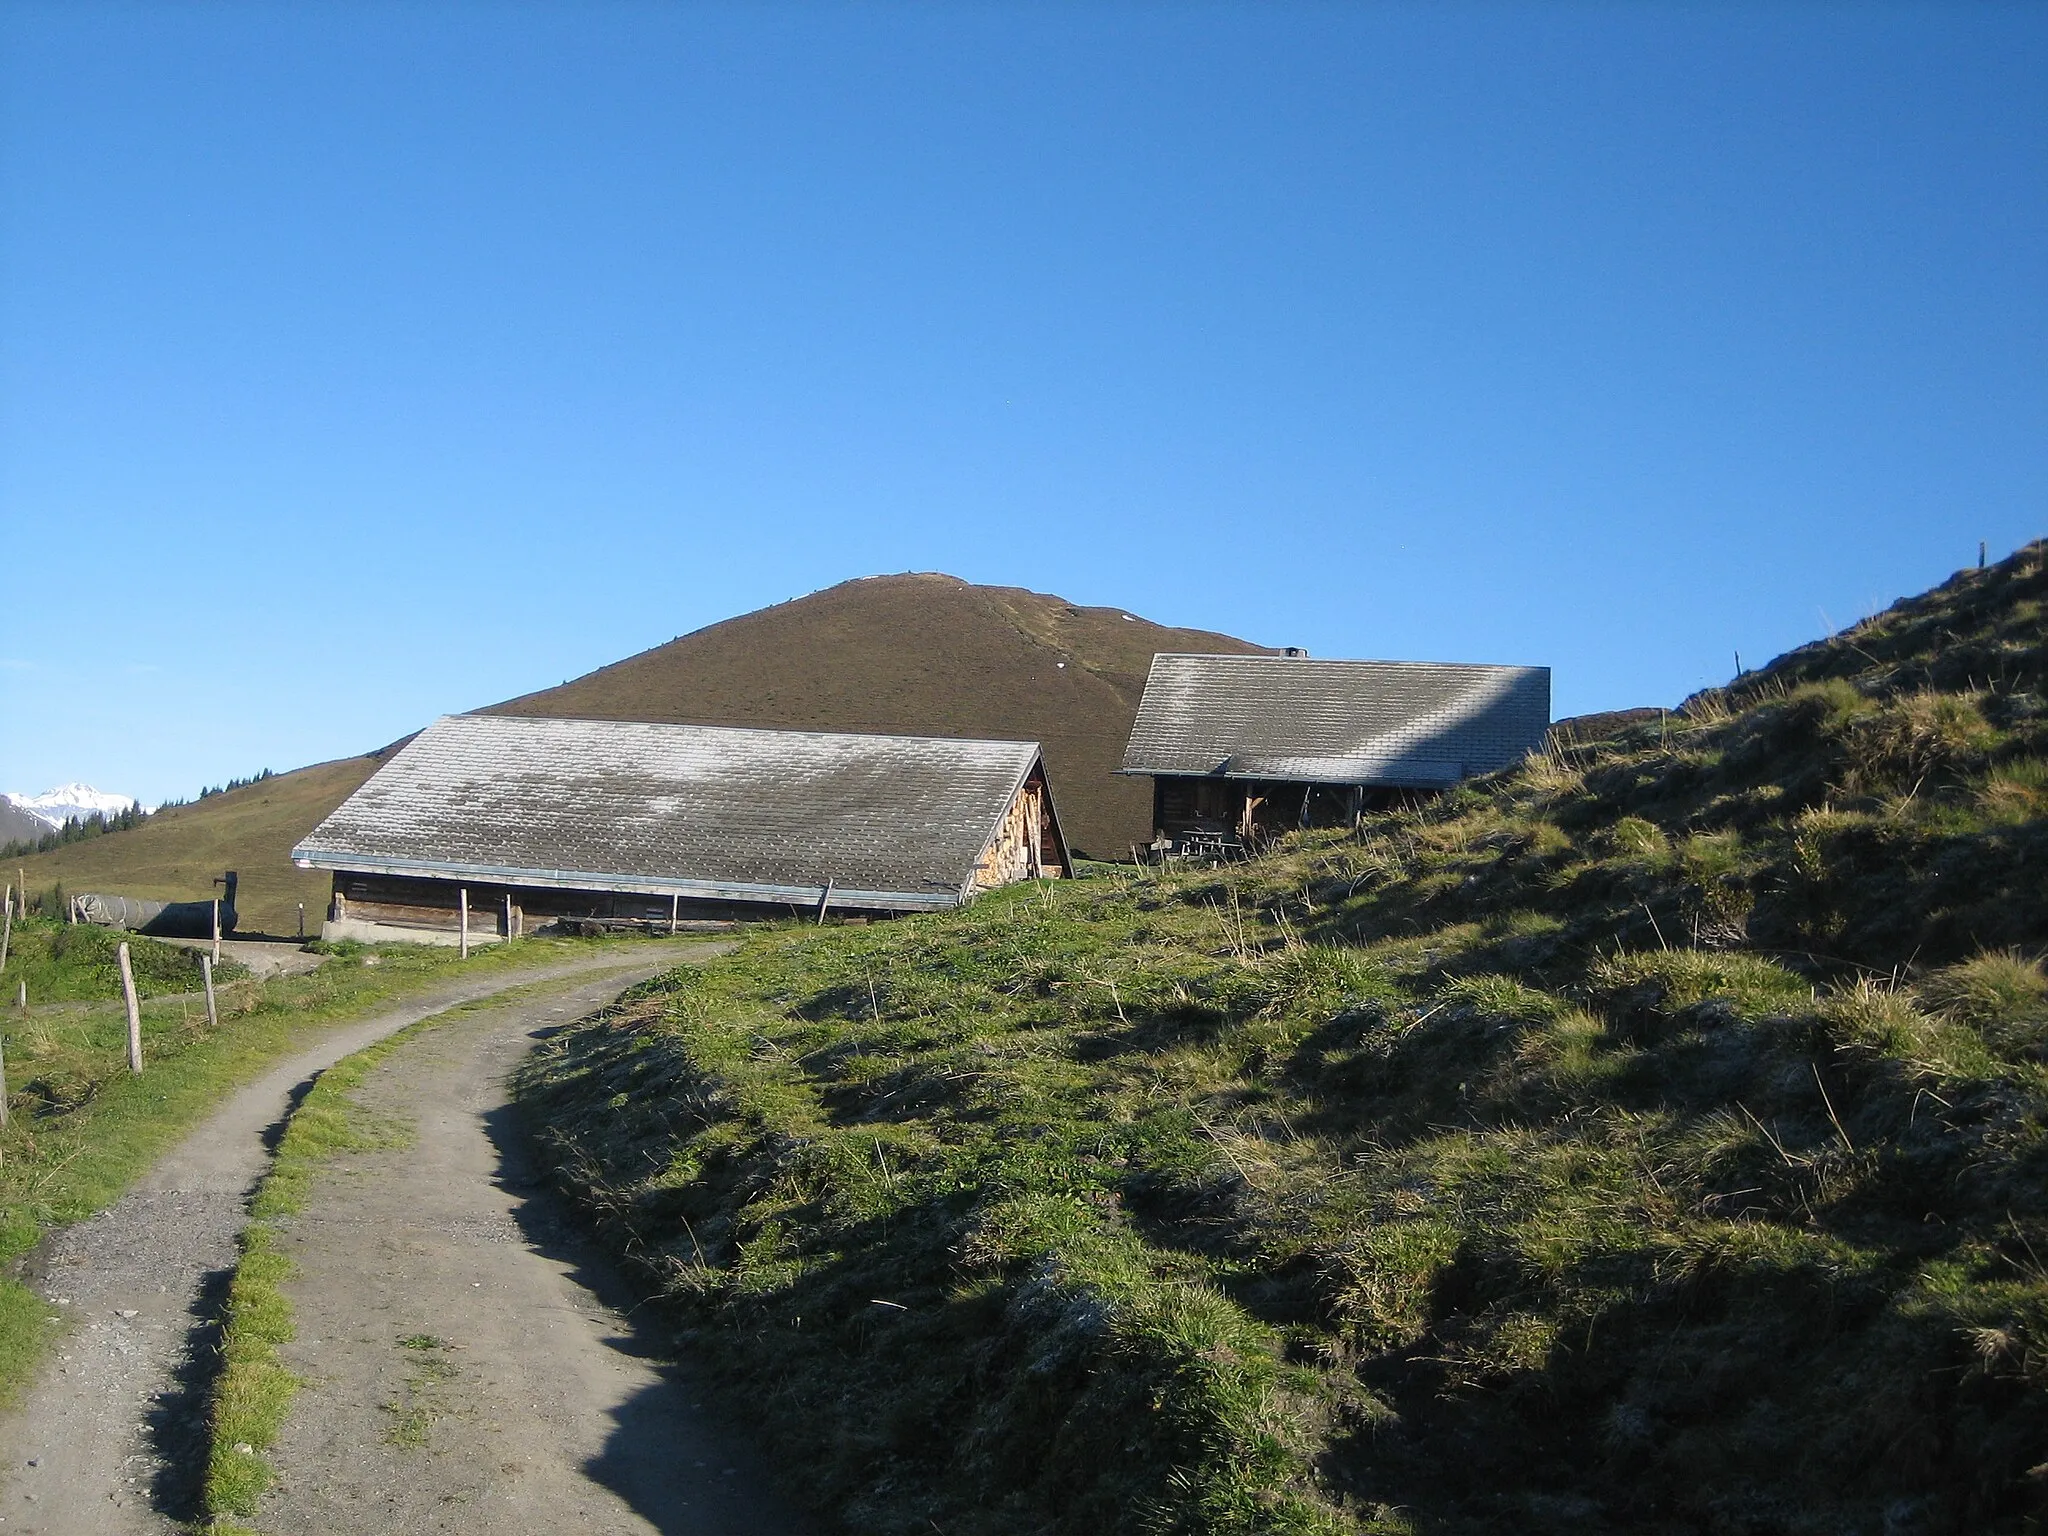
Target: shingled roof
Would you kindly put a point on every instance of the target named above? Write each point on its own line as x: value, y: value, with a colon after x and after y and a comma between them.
x: 1399, y: 723
x: 710, y: 812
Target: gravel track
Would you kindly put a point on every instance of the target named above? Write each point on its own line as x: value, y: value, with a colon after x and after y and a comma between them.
x: 112, y: 1439
x: 471, y: 1363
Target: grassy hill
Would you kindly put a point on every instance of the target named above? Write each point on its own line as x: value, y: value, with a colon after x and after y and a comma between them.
x: 175, y: 855
x: 929, y: 655
x: 1652, y: 1138
x: 925, y: 655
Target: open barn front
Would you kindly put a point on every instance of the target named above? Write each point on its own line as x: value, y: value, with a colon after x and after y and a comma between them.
x: 1222, y: 815
x: 375, y: 908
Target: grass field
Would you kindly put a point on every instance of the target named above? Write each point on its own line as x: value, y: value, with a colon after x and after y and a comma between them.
x: 1654, y: 1138
x: 72, y: 962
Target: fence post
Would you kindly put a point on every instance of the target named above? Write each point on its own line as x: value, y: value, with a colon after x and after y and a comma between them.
x: 206, y: 973
x: 675, y: 912
x: 465, y: 922
x: 302, y: 919
x: 134, y: 1010
x: 7, y: 933
x: 216, y: 930
x: 508, y: 916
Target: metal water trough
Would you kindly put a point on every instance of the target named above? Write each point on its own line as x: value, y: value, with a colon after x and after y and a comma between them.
x: 159, y: 919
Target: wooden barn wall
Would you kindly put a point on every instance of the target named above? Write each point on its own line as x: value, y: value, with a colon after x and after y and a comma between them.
x: 436, y: 904
x: 1024, y: 848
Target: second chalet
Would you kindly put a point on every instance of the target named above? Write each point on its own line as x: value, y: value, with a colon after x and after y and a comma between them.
x: 495, y: 825
x: 1241, y: 747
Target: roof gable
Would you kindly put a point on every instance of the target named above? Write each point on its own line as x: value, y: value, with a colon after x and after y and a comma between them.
x: 1403, y: 723
x: 711, y: 810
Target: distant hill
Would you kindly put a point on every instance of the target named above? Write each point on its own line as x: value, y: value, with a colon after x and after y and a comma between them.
x: 924, y: 655
x: 176, y: 853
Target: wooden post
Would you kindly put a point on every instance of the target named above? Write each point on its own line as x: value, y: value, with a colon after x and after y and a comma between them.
x: 7, y: 933
x: 216, y: 930
x: 508, y: 914
x: 824, y: 901
x: 675, y: 912
x: 134, y: 1009
x: 206, y: 974
x: 465, y: 922
x: 302, y: 919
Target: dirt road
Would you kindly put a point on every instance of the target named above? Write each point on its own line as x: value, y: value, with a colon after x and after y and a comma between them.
x: 470, y: 1365
x: 113, y: 1439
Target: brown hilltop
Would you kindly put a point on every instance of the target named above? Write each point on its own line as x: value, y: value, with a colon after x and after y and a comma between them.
x: 921, y: 654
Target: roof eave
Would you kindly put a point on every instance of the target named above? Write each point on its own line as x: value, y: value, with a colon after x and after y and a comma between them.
x: 1367, y: 781
x: 581, y: 880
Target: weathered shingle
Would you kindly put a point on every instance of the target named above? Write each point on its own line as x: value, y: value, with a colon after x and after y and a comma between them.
x: 1401, y: 723
x: 703, y: 810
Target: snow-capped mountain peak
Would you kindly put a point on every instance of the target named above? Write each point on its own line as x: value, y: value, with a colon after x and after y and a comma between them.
x: 59, y: 805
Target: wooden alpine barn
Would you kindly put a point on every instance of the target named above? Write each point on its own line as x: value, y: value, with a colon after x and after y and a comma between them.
x: 502, y: 825
x: 1241, y: 748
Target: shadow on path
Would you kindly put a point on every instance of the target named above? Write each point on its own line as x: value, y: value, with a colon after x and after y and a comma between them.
x: 176, y: 1425
x: 666, y: 1456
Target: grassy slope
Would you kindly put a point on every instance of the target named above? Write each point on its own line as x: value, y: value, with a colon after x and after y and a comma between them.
x: 923, y: 654
x: 70, y: 962
x: 175, y: 856
x: 1651, y: 1138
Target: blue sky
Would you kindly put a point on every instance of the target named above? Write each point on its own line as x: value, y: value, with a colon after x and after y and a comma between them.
x: 360, y: 363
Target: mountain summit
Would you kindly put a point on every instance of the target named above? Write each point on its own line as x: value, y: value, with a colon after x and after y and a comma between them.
x: 919, y: 654
x: 55, y: 807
